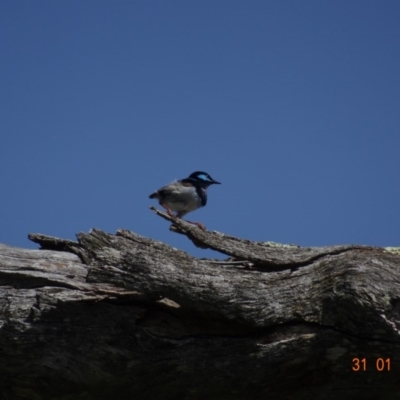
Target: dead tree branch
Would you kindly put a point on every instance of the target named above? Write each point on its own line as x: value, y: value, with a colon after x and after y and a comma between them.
x: 124, y: 316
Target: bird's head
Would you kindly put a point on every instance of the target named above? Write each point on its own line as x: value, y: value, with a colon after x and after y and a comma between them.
x: 203, y: 178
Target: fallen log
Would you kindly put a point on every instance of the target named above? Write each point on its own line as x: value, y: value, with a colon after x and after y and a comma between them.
x: 124, y: 316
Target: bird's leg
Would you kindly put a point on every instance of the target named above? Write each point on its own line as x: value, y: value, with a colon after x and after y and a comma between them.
x: 169, y: 212
x: 181, y: 214
x: 199, y: 224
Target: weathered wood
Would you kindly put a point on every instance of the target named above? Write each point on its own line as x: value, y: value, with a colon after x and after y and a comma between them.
x: 124, y: 316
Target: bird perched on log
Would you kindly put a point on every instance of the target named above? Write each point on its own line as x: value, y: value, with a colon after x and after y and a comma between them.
x: 185, y: 195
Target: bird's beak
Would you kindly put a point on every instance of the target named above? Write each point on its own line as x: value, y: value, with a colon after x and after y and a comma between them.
x: 216, y: 182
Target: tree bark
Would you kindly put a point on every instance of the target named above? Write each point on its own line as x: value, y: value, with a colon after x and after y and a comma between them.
x: 123, y: 316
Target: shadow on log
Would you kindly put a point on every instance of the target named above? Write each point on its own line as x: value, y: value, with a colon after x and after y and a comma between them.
x: 123, y: 316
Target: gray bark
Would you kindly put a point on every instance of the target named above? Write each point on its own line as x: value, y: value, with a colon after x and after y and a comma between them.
x: 124, y: 316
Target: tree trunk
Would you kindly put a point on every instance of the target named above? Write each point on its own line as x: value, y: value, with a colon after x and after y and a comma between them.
x: 123, y: 316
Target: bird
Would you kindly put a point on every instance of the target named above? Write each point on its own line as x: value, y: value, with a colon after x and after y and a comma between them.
x: 185, y: 195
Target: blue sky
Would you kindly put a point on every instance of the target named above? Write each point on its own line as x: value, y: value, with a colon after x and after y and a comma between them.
x: 293, y: 105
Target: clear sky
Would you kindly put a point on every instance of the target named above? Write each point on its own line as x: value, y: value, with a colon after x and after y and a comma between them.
x: 293, y: 105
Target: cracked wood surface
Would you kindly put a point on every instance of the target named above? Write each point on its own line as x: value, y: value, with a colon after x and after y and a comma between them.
x: 261, y: 253
x: 123, y: 316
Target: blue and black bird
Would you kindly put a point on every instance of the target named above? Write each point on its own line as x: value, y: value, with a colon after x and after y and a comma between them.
x: 185, y: 195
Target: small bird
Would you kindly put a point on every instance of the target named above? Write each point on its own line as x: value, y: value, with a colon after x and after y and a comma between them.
x: 185, y: 195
